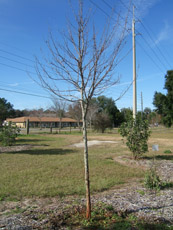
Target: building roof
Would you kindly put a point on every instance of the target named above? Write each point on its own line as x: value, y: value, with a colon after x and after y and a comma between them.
x: 39, y: 119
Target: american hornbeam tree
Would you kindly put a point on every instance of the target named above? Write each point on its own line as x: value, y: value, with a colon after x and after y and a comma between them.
x: 82, y: 64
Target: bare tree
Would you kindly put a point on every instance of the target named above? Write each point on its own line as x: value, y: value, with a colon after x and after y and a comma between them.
x: 91, y: 113
x: 39, y: 113
x: 58, y: 107
x: 83, y: 66
x: 101, y: 122
x: 74, y: 111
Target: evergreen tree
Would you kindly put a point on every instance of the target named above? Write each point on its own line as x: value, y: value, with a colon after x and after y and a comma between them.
x: 164, y: 103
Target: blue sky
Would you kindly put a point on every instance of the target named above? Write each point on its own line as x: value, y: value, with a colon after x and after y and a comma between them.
x: 24, y: 26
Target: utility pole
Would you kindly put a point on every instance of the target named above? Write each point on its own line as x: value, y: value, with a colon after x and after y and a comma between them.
x: 141, y: 106
x: 134, y: 66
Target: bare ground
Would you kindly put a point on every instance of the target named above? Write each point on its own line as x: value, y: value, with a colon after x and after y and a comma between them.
x: 16, y: 148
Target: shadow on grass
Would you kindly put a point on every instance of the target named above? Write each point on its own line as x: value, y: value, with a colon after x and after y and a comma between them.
x: 164, y: 157
x: 158, y: 157
x: 21, y: 141
x: 45, y: 151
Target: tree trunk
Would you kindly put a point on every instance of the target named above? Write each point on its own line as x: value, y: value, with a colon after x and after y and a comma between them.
x: 60, y: 124
x: 90, y: 123
x: 27, y: 126
x: 50, y: 127
x: 87, y: 181
x: 78, y: 123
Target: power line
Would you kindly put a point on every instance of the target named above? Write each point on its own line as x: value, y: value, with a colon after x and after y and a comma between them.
x: 24, y: 58
x: 103, y: 11
x: 145, y: 28
x: 100, y: 8
x: 150, y: 57
x: 106, y: 3
x: 21, y: 64
x: 17, y: 55
x: 17, y: 61
x: 126, y: 6
x: 142, y: 36
x: 13, y: 47
x: 29, y: 94
x: 17, y: 68
x: 154, y: 42
x: 153, y: 51
x: 17, y: 86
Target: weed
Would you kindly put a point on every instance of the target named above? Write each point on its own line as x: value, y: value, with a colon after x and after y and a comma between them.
x: 109, y: 207
x: 17, y: 210
x: 167, y: 184
x: 141, y: 192
x: 101, y: 219
x: 152, y: 180
x: 2, y: 197
x: 167, y: 151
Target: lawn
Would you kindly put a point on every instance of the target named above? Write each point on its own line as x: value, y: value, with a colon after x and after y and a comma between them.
x: 53, y: 167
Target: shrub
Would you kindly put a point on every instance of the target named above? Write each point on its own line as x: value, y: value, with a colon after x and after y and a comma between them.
x: 8, y: 134
x: 137, y: 133
x: 152, y: 180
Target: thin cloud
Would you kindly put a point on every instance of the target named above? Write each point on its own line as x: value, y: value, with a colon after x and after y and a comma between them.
x: 146, y: 5
x: 22, y: 83
x: 164, y: 34
x: 141, y: 6
x: 14, y: 85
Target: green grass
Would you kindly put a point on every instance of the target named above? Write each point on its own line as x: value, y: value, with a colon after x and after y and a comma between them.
x: 53, y: 167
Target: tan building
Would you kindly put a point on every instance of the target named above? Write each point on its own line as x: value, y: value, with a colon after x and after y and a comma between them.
x: 44, y: 122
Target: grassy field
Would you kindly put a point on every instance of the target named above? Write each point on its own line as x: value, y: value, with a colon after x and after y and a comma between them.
x: 53, y: 167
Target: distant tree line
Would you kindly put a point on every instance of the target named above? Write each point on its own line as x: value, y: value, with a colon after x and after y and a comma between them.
x: 164, y: 102
x: 102, y: 112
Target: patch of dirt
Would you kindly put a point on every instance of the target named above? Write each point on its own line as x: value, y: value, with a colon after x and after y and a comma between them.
x: 128, y: 161
x: 93, y: 142
x: 163, y: 167
x: 16, y: 148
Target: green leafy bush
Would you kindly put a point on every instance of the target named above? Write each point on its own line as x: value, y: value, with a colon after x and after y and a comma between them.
x: 8, y: 134
x: 137, y: 134
x: 152, y: 180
